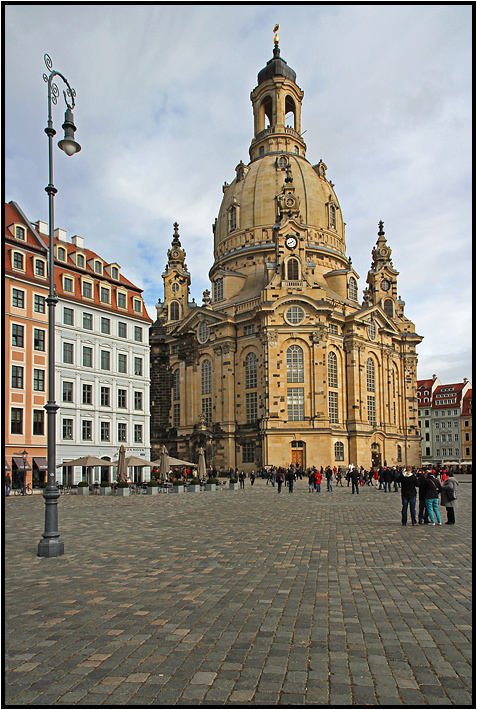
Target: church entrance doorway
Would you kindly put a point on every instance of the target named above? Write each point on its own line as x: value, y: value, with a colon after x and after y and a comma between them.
x: 297, y: 457
x: 375, y: 456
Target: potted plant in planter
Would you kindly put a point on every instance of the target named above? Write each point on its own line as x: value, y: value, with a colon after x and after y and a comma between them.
x: 83, y: 488
x: 104, y: 488
x: 194, y: 485
x: 211, y: 484
x: 178, y: 486
x: 122, y: 488
x: 152, y: 487
x: 233, y: 484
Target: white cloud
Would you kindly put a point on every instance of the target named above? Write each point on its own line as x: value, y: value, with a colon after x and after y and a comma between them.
x: 164, y: 115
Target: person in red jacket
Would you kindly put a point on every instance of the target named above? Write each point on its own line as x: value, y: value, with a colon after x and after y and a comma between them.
x: 318, y: 478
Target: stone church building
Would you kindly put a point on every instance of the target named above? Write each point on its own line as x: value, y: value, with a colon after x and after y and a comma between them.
x: 283, y: 362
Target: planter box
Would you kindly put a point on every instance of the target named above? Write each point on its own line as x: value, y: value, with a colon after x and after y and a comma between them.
x: 122, y: 492
x: 103, y: 491
x: 210, y: 487
x: 152, y: 490
x: 82, y: 491
x: 193, y: 489
x: 233, y: 486
x: 177, y: 489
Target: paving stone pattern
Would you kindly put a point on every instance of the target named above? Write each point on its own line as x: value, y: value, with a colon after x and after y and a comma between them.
x: 240, y: 598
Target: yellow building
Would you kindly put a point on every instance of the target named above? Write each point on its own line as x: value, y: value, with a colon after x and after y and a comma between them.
x: 282, y: 362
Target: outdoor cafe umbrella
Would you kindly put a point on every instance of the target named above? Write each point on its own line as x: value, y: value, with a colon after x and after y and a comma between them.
x: 201, y: 473
x: 133, y: 461
x: 163, y: 463
x: 89, y: 461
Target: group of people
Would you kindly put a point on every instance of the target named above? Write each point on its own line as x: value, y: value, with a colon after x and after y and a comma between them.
x: 429, y: 486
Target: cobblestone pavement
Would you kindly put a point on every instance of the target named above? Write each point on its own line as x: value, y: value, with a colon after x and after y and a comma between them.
x: 240, y: 597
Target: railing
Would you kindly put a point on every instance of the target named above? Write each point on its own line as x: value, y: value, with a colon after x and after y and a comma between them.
x: 292, y: 284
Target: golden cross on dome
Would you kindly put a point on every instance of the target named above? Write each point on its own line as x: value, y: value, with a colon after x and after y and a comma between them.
x: 275, y: 29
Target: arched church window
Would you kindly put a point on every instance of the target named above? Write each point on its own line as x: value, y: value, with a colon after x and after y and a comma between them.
x: 370, y: 377
x: 389, y: 308
x: 339, y: 451
x: 232, y: 218
x: 293, y: 271
x: 296, y: 150
x: 218, y: 289
x: 206, y: 372
x: 176, y: 384
x: 352, y: 289
x: 295, y: 369
x: 261, y: 151
x: 174, y: 311
x: 250, y: 371
x: 332, y: 217
x: 332, y: 370
x: 399, y: 454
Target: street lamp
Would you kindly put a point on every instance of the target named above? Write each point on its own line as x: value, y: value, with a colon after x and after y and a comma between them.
x: 51, y: 545
x: 24, y: 455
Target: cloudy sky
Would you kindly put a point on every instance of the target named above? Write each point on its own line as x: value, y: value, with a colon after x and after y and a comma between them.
x: 163, y: 116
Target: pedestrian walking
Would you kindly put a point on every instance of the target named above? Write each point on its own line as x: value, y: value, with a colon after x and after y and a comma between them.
x: 242, y: 479
x: 449, y: 497
x: 318, y: 479
x: 387, y: 478
x: 409, y: 485
x: 311, y: 481
x: 339, y: 477
x: 279, y: 479
x: 291, y: 478
x: 8, y: 484
x: 432, y: 488
x: 354, y: 475
x: 252, y: 478
x: 329, y: 479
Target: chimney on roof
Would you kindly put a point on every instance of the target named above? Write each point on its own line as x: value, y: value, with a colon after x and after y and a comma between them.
x: 434, y: 377
x: 78, y: 241
x: 60, y: 234
x: 42, y: 227
x: 465, y: 380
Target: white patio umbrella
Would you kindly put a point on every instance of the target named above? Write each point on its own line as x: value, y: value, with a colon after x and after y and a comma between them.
x: 122, y: 468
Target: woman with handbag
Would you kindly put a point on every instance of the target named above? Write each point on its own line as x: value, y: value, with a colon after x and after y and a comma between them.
x: 449, y: 497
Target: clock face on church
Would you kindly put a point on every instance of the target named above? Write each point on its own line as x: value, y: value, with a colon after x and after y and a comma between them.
x: 291, y: 242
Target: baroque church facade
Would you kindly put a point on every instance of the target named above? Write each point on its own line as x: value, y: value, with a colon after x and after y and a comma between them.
x: 282, y: 362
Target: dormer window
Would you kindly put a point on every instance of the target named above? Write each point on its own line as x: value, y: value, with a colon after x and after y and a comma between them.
x: 68, y: 284
x: 18, y: 261
x: 20, y: 232
x: 98, y: 267
x: 137, y: 305
x: 104, y: 295
x: 39, y: 267
x: 80, y: 261
x: 121, y: 300
x: 61, y: 254
x: 115, y: 272
x: 352, y: 289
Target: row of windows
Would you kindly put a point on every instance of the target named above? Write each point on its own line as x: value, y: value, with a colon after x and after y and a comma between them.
x: 447, y: 437
x: 16, y: 421
x: 248, y: 452
x: 104, y: 293
x: 105, y: 359
x: 19, y: 264
x: 105, y: 324
x: 105, y: 431
x: 18, y: 300
x: 448, y: 452
x: 18, y: 380
x: 105, y: 395
x: 19, y: 339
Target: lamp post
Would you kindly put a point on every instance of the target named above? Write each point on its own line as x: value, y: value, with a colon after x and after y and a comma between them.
x: 24, y: 455
x: 51, y: 545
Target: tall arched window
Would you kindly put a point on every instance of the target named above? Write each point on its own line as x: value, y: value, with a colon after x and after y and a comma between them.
x: 293, y: 270
x: 290, y: 112
x: 389, y: 308
x: 370, y: 378
x: 332, y: 217
x: 352, y: 289
x: 206, y: 377
x: 232, y: 218
x: 174, y: 311
x: 295, y: 370
x: 332, y: 370
x: 250, y: 371
x: 176, y: 384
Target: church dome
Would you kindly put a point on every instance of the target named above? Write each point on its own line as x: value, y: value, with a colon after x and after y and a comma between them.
x: 253, y: 198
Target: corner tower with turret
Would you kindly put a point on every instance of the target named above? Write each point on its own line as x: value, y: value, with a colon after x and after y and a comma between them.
x: 283, y: 361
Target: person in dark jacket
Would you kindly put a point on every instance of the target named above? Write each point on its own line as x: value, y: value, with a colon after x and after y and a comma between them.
x: 422, y: 516
x: 387, y: 478
x: 291, y: 478
x: 355, y: 477
x: 432, y: 488
x: 409, y: 484
x: 329, y: 479
x: 449, y: 497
